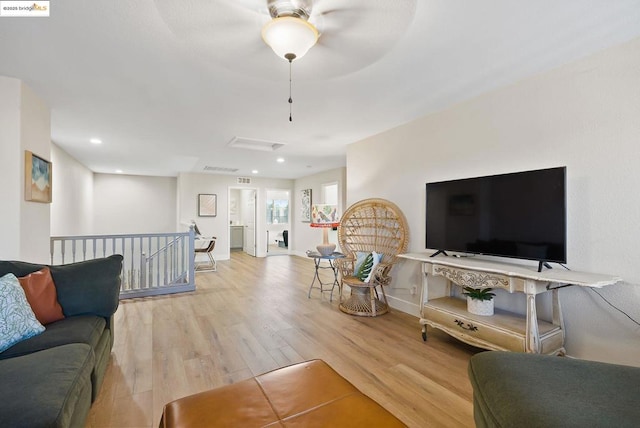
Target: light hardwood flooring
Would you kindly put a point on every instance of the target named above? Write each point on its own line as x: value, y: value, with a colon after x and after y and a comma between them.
x: 253, y: 315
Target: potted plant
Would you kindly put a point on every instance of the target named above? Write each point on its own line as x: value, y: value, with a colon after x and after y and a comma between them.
x: 479, y: 300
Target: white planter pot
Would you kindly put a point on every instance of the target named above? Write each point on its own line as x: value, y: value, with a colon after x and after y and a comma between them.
x: 480, y: 307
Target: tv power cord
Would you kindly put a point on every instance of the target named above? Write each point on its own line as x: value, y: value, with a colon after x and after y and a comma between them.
x: 601, y: 296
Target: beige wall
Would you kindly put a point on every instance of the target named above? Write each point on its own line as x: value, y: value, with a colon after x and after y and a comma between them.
x: 72, y: 207
x: 133, y: 204
x: 25, y: 124
x: 35, y: 217
x: 191, y: 184
x: 306, y: 237
x: 11, y: 158
x: 584, y: 115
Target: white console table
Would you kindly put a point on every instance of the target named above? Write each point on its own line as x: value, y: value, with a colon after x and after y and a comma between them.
x: 504, y: 330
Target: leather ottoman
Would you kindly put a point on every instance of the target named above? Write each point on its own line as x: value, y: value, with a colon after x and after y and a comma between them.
x: 309, y: 394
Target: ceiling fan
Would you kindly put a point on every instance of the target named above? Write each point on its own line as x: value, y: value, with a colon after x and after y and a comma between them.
x: 350, y: 34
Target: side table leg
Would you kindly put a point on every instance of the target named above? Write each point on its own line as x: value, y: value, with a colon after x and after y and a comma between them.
x: 335, y: 279
x: 315, y: 276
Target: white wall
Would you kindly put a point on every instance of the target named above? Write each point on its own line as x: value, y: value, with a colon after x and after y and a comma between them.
x: 134, y: 204
x: 11, y: 159
x: 305, y: 237
x: 140, y: 204
x: 72, y: 207
x: 584, y: 115
x: 235, y: 214
x: 35, y: 135
x: 192, y: 184
x: 25, y: 124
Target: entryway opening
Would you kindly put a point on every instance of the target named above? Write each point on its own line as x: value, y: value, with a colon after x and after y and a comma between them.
x: 277, y: 221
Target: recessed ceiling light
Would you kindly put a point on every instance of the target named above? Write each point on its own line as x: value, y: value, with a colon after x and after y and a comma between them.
x: 280, y: 160
x: 118, y: 171
x: 95, y: 141
x: 255, y: 171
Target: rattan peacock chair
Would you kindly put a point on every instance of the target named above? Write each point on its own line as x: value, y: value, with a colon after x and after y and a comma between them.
x: 371, y: 225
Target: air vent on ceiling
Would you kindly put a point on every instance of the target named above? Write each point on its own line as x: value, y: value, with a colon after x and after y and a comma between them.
x: 254, y: 144
x: 244, y: 180
x: 219, y: 169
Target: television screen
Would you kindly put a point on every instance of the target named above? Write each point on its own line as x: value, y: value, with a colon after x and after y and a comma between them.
x: 521, y: 215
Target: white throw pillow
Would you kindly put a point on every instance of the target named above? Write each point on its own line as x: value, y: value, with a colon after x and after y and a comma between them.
x: 376, y: 259
x: 17, y: 320
x: 361, y: 258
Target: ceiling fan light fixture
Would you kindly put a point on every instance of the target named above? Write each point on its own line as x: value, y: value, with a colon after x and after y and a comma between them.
x: 289, y: 35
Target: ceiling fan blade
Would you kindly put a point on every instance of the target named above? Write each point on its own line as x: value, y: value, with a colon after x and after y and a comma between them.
x: 366, y: 16
x: 198, y: 19
x: 226, y: 33
x: 328, y: 7
x: 357, y: 35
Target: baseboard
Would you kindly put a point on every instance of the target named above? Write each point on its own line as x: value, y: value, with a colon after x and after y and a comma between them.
x: 403, y: 305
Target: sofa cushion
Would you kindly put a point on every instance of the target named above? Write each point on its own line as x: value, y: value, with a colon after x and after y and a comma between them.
x: 51, y: 388
x: 102, y: 353
x: 531, y: 390
x: 87, y: 287
x: 41, y: 294
x: 17, y: 320
x: 81, y: 329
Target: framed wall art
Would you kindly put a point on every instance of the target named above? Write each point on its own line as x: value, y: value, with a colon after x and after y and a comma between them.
x: 37, y: 178
x: 305, y: 205
x: 207, y: 205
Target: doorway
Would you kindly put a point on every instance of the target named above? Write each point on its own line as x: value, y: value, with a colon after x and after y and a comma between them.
x: 278, y: 221
x: 242, y: 220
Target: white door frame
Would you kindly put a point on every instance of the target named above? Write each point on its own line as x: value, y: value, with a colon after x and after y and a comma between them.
x: 289, y: 216
x: 255, y: 217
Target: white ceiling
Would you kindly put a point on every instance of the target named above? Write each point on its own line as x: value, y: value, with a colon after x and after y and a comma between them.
x: 167, y: 84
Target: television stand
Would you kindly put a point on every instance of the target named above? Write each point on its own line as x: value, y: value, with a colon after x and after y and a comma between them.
x: 505, y: 330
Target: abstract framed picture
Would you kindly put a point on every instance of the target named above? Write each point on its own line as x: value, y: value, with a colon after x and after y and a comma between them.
x: 37, y: 178
x: 305, y: 205
x: 207, y: 205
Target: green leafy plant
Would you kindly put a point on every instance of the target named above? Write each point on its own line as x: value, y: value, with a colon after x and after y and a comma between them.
x: 479, y: 293
x: 364, y: 269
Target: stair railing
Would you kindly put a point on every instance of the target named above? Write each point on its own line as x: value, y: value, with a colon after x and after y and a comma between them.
x: 153, y: 263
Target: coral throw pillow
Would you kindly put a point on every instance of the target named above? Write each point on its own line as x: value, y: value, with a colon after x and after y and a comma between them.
x: 41, y: 295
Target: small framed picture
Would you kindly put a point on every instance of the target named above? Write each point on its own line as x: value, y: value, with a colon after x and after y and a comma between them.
x: 37, y: 178
x: 305, y: 205
x: 207, y: 205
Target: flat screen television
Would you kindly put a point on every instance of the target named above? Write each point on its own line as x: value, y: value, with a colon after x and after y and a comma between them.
x: 520, y: 215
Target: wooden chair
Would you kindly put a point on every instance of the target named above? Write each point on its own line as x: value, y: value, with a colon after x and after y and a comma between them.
x: 207, y: 249
x: 366, y: 226
x: 211, y: 266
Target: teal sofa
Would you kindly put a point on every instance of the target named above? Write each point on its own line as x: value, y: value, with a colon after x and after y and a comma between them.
x: 520, y: 390
x: 50, y: 380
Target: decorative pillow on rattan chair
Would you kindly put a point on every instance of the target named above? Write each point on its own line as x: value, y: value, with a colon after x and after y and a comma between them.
x: 365, y: 265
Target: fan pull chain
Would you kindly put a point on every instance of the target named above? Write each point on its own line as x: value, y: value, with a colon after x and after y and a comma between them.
x: 290, y: 100
x: 290, y: 57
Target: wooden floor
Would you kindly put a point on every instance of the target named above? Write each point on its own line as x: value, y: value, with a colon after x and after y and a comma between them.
x: 253, y: 315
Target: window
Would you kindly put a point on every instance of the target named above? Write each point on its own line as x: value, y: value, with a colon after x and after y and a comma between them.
x: 330, y: 193
x: 277, y: 211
